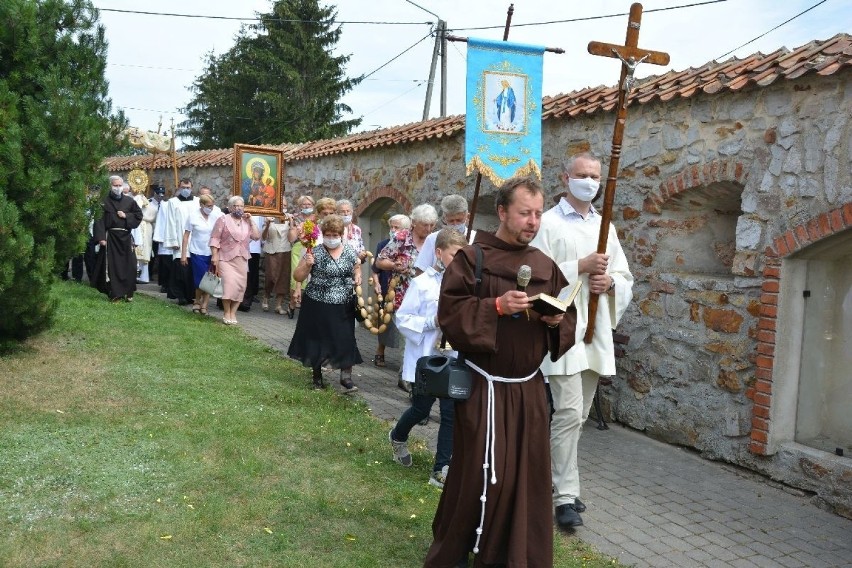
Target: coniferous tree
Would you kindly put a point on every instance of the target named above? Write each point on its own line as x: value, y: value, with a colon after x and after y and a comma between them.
x: 55, y: 129
x: 279, y: 83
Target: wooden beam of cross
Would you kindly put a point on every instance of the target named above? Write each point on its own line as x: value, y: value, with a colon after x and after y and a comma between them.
x: 631, y: 56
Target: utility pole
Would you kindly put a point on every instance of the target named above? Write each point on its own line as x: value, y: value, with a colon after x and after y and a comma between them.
x: 443, y: 32
x: 431, y: 83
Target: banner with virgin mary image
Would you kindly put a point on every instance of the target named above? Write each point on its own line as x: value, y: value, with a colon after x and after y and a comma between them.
x: 503, y: 122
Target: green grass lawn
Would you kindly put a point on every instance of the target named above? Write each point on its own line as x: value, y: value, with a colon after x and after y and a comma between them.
x: 142, y: 435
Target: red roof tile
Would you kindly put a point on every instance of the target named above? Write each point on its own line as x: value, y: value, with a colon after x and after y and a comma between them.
x: 821, y: 57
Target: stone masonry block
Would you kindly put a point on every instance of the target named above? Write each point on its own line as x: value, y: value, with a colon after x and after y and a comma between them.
x: 802, y: 235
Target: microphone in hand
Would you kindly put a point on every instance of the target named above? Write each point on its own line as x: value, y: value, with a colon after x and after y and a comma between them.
x: 524, y: 275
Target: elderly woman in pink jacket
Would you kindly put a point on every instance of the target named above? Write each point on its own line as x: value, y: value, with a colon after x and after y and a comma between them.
x: 229, y: 243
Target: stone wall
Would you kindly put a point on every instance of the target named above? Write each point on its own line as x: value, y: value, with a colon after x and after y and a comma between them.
x: 708, y: 185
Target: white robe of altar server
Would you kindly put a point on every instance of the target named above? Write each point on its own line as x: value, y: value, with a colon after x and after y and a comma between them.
x: 178, y: 213
x: 416, y: 320
x: 143, y: 235
x: 566, y: 243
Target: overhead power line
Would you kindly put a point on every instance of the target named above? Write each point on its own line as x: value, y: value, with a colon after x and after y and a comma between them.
x: 588, y: 18
x: 397, y: 56
x: 772, y: 30
x: 256, y: 19
x: 424, y: 9
x: 386, y: 103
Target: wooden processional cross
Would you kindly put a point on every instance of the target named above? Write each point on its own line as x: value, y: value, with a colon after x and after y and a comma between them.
x: 631, y: 56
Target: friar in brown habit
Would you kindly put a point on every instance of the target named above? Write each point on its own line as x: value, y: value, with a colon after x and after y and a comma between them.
x: 115, y: 268
x: 504, y: 423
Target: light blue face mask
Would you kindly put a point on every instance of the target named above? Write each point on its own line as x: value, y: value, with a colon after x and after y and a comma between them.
x: 439, y: 265
x: 185, y: 192
x: 207, y: 210
x: 331, y: 243
x: 461, y: 228
x: 307, y: 210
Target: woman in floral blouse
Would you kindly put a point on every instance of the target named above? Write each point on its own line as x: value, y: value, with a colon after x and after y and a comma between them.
x: 401, y: 252
x: 325, y: 332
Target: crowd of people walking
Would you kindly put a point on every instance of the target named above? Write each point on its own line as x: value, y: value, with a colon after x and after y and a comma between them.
x: 449, y: 291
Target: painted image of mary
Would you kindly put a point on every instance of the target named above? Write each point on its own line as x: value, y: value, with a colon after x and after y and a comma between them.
x: 252, y: 188
x: 505, y: 102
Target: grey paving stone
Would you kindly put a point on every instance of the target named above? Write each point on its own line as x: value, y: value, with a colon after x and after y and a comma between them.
x: 743, y: 563
x: 719, y: 552
x: 789, y: 562
x: 659, y: 547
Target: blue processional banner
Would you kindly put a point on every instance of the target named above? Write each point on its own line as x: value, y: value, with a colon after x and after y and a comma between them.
x: 503, y: 121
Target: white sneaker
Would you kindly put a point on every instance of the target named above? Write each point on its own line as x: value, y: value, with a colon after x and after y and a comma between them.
x: 400, y: 451
x: 438, y: 478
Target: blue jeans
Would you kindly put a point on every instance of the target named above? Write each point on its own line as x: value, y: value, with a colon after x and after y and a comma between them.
x: 420, y: 408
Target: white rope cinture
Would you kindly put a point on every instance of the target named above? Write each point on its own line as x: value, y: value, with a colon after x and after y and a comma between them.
x: 490, y: 439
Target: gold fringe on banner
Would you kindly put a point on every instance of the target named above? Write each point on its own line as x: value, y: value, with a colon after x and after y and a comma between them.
x: 477, y: 164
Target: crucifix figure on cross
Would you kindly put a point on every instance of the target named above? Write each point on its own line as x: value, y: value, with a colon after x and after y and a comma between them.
x: 631, y: 56
x: 631, y: 64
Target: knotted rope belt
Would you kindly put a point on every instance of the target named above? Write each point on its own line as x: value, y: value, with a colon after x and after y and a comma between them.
x: 490, y: 438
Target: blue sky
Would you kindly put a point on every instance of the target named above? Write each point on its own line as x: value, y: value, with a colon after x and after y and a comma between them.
x: 154, y: 59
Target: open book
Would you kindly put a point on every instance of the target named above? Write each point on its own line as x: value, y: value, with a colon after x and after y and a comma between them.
x: 547, y: 305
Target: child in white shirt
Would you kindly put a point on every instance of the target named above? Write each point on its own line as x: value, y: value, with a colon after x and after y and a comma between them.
x: 416, y: 320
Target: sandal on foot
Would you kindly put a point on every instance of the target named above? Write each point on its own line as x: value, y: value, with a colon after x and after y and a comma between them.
x: 379, y: 360
x: 203, y: 311
x: 196, y: 309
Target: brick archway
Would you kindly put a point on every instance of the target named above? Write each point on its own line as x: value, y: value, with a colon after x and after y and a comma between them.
x: 695, y: 176
x: 378, y: 193
x: 790, y: 242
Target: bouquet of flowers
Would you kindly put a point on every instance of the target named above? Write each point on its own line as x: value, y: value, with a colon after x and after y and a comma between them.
x: 309, y: 234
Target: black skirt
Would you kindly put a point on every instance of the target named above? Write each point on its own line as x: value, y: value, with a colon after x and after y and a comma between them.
x: 325, y: 336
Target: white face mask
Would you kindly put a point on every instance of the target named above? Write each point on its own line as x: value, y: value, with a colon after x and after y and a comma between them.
x: 207, y: 210
x: 392, y: 234
x: 347, y: 219
x: 331, y: 243
x: 583, y: 189
x: 307, y: 210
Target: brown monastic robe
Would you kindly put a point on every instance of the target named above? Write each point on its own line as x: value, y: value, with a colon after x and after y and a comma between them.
x: 518, y: 527
x: 115, y: 268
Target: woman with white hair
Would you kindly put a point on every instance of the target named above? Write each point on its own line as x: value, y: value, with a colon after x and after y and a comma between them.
x: 389, y: 337
x: 229, y: 244
x: 401, y: 252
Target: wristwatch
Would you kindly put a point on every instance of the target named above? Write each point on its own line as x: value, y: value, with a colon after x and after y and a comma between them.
x: 612, y: 284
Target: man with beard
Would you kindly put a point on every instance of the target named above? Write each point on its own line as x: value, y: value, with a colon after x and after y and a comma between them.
x: 115, y: 271
x: 496, y: 501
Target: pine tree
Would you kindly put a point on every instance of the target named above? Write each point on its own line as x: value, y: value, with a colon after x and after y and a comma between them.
x: 279, y: 83
x: 56, y: 129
